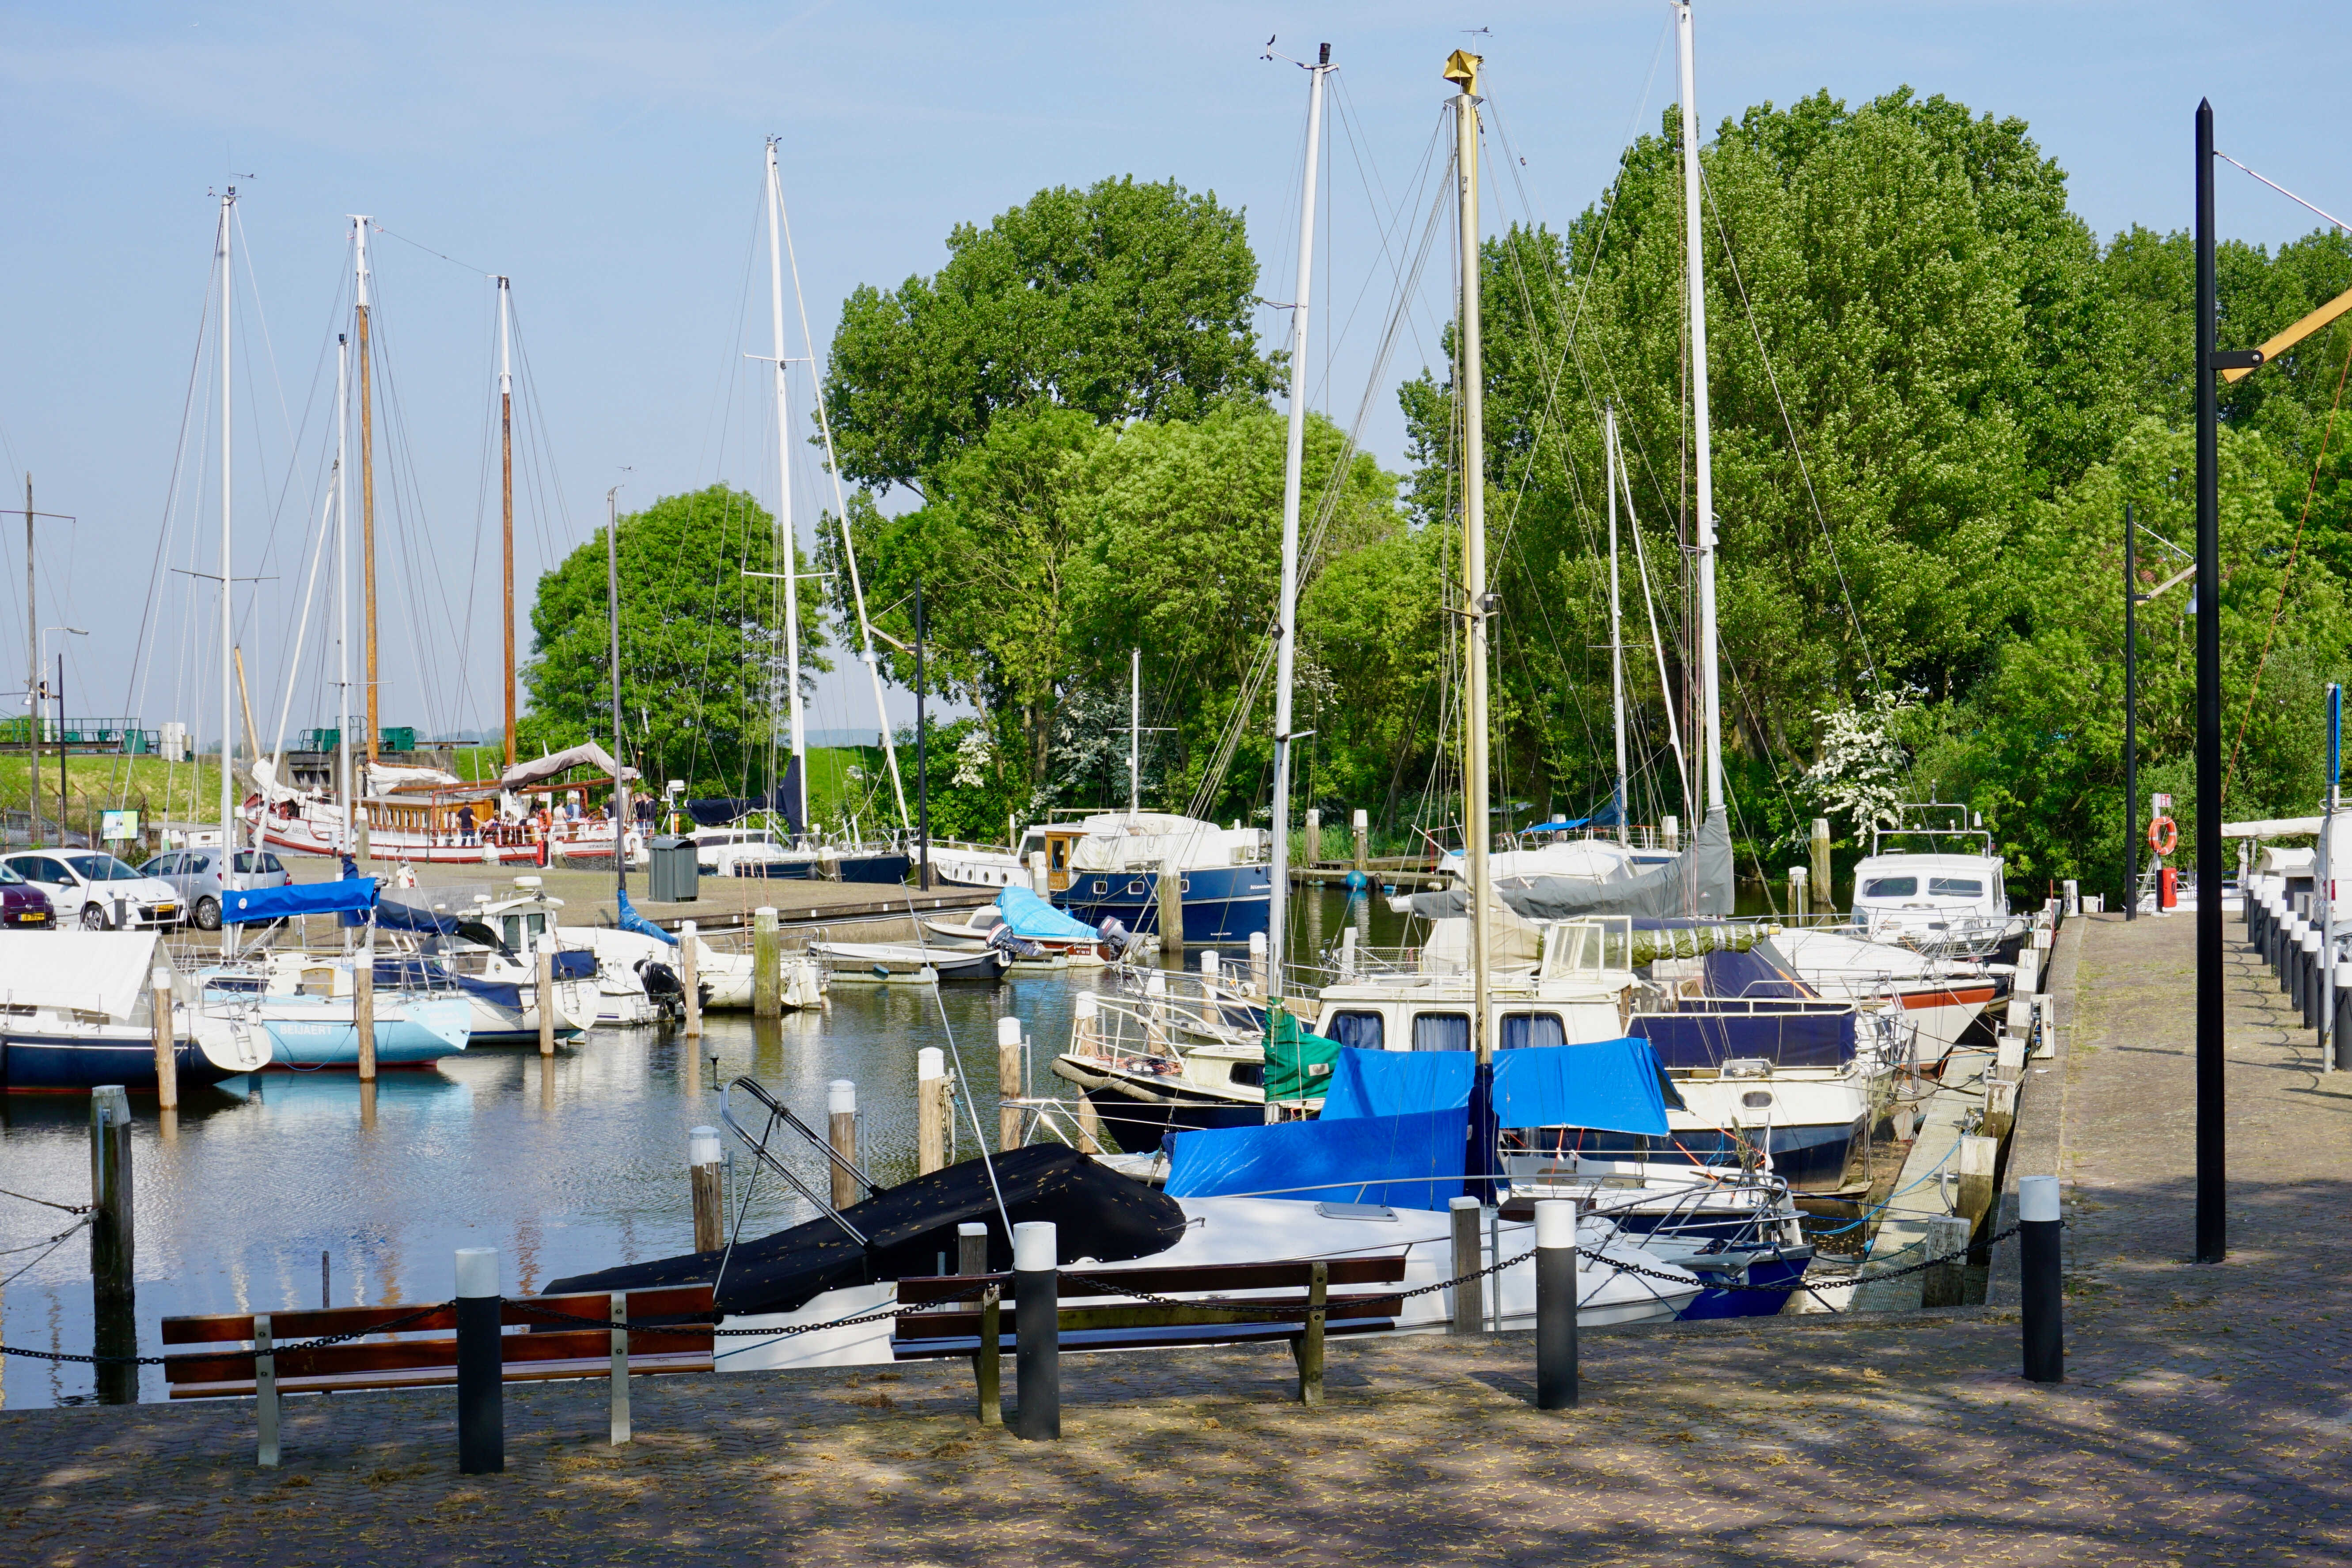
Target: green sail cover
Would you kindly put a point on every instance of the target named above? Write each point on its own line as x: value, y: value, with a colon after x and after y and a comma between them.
x: 1298, y: 1061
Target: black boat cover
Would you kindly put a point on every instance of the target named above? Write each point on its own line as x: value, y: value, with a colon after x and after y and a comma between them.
x: 911, y: 1230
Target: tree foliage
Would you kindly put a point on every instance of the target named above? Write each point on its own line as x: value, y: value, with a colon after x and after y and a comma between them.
x: 702, y: 646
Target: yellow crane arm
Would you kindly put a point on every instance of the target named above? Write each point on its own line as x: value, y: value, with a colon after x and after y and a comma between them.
x: 2296, y: 333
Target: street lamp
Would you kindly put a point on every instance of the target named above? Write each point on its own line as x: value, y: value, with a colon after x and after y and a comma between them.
x: 59, y: 693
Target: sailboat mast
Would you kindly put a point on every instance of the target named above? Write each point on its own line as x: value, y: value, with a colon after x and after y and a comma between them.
x: 1294, y: 463
x: 1658, y: 642
x: 1710, y: 682
x: 506, y: 500
x: 343, y: 583
x: 228, y: 575
x: 1134, y: 732
x: 787, y: 555
x: 1616, y: 633
x: 848, y: 546
x: 620, y: 759
x: 1469, y: 386
x: 367, y: 494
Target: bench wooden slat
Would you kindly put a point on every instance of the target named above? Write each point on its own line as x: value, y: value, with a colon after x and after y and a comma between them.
x: 673, y: 1301
x: 389, y: 1355
x: 1384, y: 1270
x: 1137, y: 1339
x: 1146, y: 1314
x: 430, y: 1377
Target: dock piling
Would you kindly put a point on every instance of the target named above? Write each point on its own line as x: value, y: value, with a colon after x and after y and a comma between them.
x: 1946, y: 1246
x: 931, y: 1109
x: 1799, y: 900
x: 1257, y: 965
x: 1824, y: 896
x: 167, y: 1058
x: 988, y: 1360
x: 1171, y: 889
x: 1307, y: 1348
x: 1036, y: 1328
x: 767, y: 966
x: 113, y: 1305
x: 841, y: 1131
x: 2041, y: 1294
x: 1314, y: 844
x: 363, y: 1003
x: 481, y: 1377
x: 1469, y: 1313
x: 546, y: 964
x: 686, y: 943
x: 1361, y: 825
x: 704, y: 1156
x: 1010, y: 1085
x: 1557, y: 1293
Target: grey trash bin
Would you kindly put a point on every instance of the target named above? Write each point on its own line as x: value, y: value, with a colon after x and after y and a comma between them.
x: 671, y: 873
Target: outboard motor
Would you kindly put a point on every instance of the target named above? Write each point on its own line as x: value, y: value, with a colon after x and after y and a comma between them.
x: 662, y: 989
x: 1003, y: 941
x: 1112, y: 935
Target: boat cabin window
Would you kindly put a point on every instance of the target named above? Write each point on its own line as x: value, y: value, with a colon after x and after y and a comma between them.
x: 1891, y: 888
x: 1955, y: 886
x: 1362, y: 1030
x: 1531, y: 1029
x: 1441, y: 1031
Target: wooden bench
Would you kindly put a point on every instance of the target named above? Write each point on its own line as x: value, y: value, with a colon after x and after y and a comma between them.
x: 1290, y: 1301
x: 396, y: 1360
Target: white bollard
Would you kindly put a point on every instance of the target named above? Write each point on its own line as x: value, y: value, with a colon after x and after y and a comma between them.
x: 1257, y: 962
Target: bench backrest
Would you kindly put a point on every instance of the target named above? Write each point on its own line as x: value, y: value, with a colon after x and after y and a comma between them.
x: 923, y: 1289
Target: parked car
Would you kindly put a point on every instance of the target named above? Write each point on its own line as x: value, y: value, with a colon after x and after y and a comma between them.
x: 24, y: 907
x: 95, y: 891
x: 195, y: 875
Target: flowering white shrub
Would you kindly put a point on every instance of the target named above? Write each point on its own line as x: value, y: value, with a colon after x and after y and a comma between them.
x: 1861, y: 772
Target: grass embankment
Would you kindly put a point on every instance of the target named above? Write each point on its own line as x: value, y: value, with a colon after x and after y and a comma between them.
x: 185, y: 792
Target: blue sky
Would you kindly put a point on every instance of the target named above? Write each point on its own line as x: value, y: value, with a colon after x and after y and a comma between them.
x: 608, y: 159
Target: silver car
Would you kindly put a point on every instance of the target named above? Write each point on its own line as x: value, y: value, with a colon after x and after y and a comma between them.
x: 196, y: 876
x: 96, y: 891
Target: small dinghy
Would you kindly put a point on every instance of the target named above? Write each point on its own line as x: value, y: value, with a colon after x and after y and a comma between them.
x: 906, y: 964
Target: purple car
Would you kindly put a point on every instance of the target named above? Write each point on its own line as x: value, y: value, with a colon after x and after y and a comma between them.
x: 23, y: 907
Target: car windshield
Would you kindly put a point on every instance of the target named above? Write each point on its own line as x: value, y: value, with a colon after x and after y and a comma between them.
x: 1891, y: 888
x: 101, y: 869
x: 9, y: 875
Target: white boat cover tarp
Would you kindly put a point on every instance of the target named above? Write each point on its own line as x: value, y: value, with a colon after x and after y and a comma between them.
x: 1145, y: 841
x: 98, y: 971
x: 590, y: 754
x: 1696, y: 882
x: 382, y: 778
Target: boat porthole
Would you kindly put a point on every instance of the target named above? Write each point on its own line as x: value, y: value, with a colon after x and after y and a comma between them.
x: 1184, y: 884
x: 1756, y: 1100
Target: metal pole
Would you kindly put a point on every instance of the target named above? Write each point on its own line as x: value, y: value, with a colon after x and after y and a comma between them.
x: 1134, y: 730
x: 922, y: 751
x: 506, y: 505
x: 344, y: 589
x: 1556, y: 1304
x: 367, y: 489
x: 1702, y: 465
x: 1287, y: 613
x: 1617, y: 635
x: 1036, y: 1328
x: 788, y: 555
x: 33, y: 664
x: 620, y: 778
x: 2327, y: 881
x: 2131, y: 718
x: 2041, y: 1295
x: 481, y: 1374
x: 2213, y: 1167
x: 227, y: 627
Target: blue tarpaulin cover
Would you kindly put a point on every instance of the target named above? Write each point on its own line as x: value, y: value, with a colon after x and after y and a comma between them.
x: 1033, y: 917
x: 394, y: 916
x: 1405, y: 1161
x: 244, y: 905
x: 1611, y: 1085
x: 1751, y: 974
x: 631, y: 921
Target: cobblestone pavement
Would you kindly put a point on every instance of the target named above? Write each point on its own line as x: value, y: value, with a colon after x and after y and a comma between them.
x: 2208, y: 1417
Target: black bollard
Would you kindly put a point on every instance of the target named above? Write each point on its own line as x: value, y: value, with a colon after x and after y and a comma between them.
x: 2044, y: 1303
x: 1037, y: 1334
x: 481, y: 1377
x: 1556, y: 1303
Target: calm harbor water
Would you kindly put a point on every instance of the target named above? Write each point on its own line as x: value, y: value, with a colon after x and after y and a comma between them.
x: 564, y: 1166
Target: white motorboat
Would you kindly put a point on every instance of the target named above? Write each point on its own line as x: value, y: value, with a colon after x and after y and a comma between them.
x: 1945, y: 893
x: 1939, y: 996
x: 905, y: 963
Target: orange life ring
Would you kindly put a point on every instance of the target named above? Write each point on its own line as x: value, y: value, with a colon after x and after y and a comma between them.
x: 2162, y: 835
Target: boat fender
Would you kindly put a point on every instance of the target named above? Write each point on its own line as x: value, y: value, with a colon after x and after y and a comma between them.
x: 2163, y: 837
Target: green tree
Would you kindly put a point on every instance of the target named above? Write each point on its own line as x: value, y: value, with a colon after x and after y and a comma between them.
x: 1124, y: 301
x: 702, y: 651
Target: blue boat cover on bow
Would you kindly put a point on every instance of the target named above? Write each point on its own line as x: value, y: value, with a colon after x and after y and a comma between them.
x: 1405, y: 1161
x: 244, y: 905
x: 631, y: 921
x: 1614, y: 1086
x: 1032, y: 917
x: 395, y: 916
